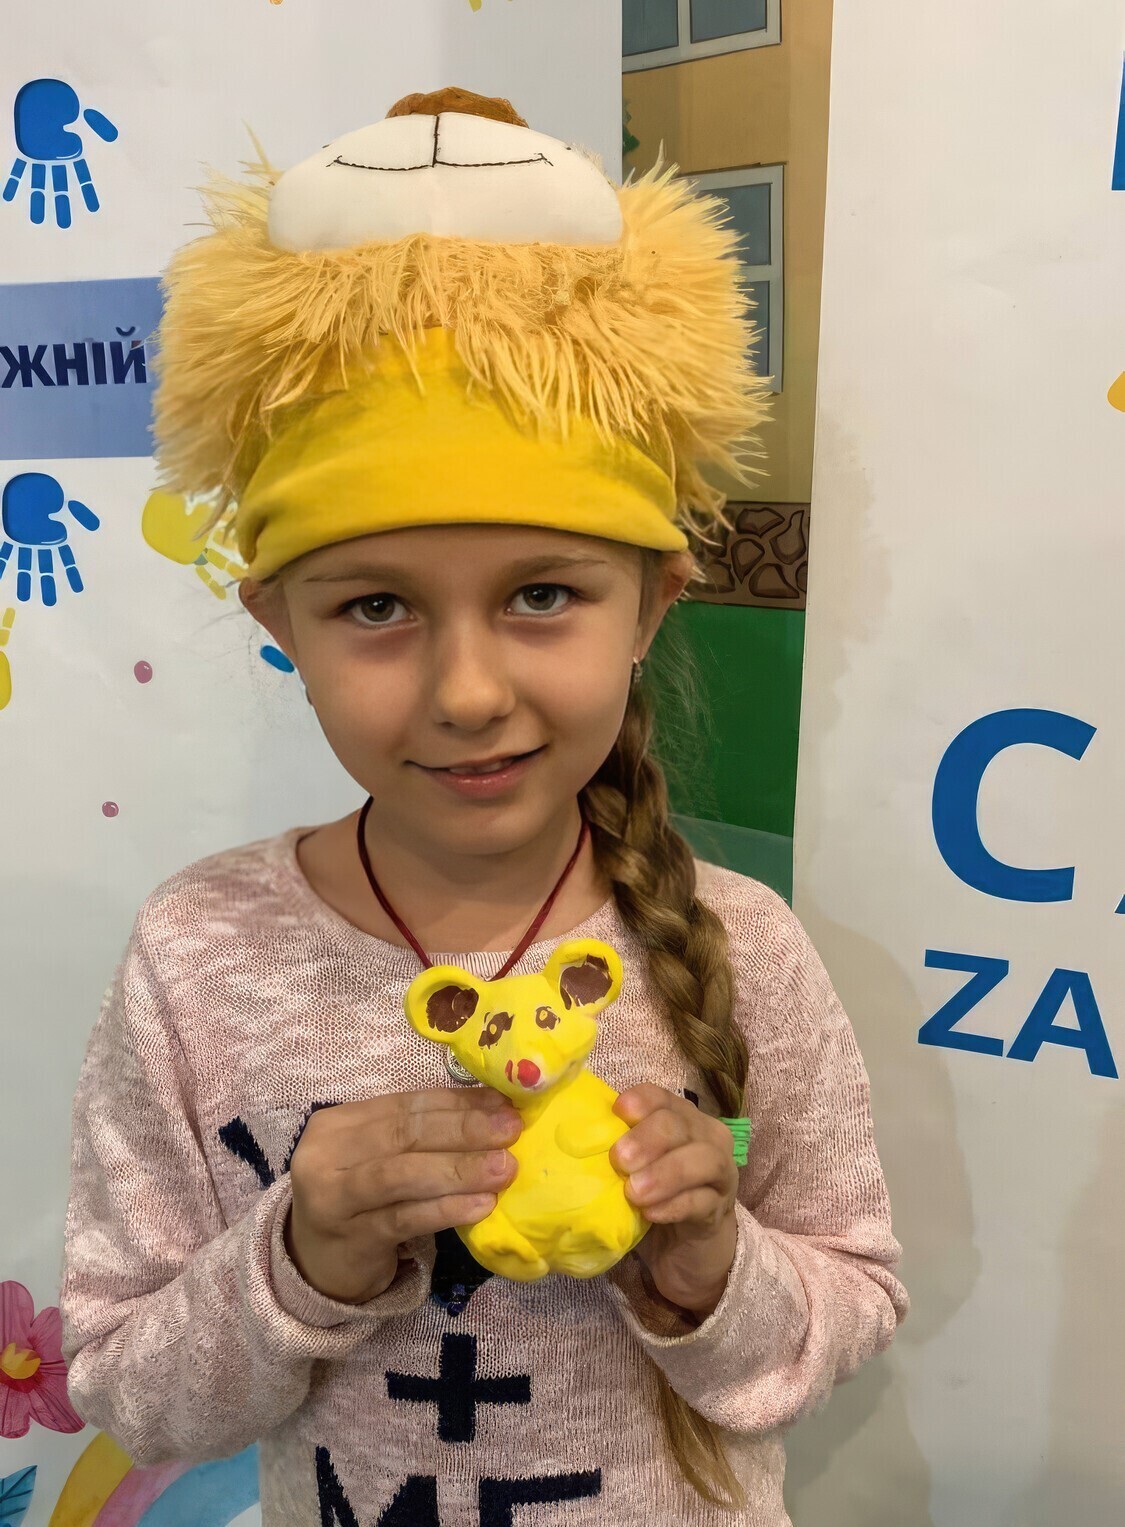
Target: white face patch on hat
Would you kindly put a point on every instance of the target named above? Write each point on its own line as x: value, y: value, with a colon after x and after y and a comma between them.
x: 453, y: 175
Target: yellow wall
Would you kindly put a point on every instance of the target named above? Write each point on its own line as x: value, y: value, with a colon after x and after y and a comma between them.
x: 760, y: 106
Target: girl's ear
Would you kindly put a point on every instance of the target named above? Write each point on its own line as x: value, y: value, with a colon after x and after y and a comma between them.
x: 266, y: 603
x: 586, y: 973
x: 441, y: 1000
x: 664, y: 584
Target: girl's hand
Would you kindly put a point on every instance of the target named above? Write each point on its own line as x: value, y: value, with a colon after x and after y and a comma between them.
x: 367, y: 1176
x: 681, y: 1174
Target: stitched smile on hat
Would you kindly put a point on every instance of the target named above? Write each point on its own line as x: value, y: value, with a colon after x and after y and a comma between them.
x: 437, y: 165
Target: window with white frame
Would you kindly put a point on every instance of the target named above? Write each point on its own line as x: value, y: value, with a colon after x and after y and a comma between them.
x: 660, y: 32
x: 755, y: 199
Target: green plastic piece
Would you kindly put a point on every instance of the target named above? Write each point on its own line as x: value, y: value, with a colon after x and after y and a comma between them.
x: 741, y: 1132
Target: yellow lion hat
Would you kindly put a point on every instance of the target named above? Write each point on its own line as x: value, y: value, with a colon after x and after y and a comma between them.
x: 448, y: 317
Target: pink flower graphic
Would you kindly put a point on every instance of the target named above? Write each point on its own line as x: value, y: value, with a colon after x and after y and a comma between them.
x: 32, y: 1371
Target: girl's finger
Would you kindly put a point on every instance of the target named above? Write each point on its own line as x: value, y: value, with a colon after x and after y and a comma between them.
x: 689, y: 1166
x: 653, y: 1137
x: 702, y: 1206
x: 428, y: 1216
x: 421, y: 1104
x: 460, y: 1129
x: 423, y: 1175
x: 638, y: 1102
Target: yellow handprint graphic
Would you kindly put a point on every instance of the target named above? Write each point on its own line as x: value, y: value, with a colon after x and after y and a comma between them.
x: 174, y: 529
x: 1117, y: 393
x: 6, y: 621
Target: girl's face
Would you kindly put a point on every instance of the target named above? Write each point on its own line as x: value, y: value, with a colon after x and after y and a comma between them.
x: 440, y: 648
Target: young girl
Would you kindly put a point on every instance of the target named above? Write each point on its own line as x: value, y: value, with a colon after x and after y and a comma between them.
x: 453, y: 390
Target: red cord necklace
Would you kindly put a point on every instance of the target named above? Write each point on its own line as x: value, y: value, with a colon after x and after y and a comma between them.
x: 540, y: 917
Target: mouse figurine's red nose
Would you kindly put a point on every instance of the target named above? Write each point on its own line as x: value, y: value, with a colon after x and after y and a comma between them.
x: 528, y: 1073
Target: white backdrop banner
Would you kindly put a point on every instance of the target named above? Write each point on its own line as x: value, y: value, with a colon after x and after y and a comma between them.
x: 142, y: 722
x: 960, y: 848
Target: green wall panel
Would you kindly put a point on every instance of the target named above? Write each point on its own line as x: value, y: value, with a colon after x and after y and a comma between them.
x: 726, y: 683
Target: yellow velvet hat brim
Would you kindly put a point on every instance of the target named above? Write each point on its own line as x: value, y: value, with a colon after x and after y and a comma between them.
x: 413, y: 443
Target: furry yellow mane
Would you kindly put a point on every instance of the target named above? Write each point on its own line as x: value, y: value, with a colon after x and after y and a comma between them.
x: 646, y: 338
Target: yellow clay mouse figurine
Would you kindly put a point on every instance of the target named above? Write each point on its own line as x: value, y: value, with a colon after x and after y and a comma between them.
x: 528, y: 1037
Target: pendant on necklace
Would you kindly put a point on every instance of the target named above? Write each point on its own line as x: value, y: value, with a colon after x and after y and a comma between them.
x: 457, y: 1071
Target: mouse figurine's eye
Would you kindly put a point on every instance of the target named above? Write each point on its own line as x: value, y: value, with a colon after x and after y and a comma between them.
x: 546, y: 1017
x: 495, y: 1025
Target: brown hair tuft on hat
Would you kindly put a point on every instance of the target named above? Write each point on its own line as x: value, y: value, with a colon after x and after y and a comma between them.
x: 454, y: 98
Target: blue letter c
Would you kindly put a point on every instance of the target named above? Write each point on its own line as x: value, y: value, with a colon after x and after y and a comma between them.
x: 957, y: 789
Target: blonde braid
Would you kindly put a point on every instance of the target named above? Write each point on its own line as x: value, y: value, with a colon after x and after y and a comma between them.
x: 652, y: 872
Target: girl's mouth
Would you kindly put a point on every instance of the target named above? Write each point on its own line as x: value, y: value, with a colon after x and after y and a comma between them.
x: 479, y: 781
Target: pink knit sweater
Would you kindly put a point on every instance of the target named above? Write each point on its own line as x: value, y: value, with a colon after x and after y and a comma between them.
x: 457, y: 1398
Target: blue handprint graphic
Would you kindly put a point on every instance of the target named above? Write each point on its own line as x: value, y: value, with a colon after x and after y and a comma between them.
x: 30, y: 502
x: 43, y: 110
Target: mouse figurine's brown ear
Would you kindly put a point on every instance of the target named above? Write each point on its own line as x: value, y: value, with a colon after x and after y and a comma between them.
x: 441, y: 1000
x: 586, y: 974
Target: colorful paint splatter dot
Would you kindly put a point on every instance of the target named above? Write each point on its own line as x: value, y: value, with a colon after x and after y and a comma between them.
x: 276, y: 659
x: 142, y: 672
x: 110, y: 808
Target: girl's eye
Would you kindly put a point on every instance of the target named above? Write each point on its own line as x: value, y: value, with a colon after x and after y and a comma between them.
x: 545, y: 598
x: 373, y: 610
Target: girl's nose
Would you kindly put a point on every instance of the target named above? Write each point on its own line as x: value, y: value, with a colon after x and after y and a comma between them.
x: 471, y: 687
